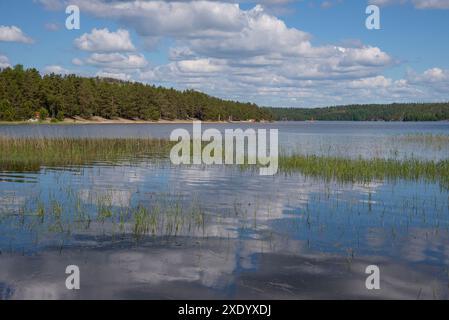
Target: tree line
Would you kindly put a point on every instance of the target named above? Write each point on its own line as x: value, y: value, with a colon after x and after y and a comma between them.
x: 24, y: 93
x: 368, y: 112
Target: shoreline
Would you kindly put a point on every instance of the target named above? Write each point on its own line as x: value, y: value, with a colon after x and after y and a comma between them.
x: 99, y: 120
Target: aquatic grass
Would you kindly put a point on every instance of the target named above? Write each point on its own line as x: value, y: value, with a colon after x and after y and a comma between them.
x: 166, y: 219
x: 430, y: 141
x: 163, y: 217
x: 367, y: 170
x: 142, y: 221
x: 104, y: 207
x: 29, y: 154
x: 423, y: 138
x: 40, y: 212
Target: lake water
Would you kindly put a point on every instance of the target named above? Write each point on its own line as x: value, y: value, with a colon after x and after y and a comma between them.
x: 222, y: 232
x: 348, y: 139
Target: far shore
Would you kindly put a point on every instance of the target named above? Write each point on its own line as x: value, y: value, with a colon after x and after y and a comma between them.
x: 100, y: 120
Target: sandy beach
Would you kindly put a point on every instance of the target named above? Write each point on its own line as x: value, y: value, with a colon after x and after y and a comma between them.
x: 100, y: 120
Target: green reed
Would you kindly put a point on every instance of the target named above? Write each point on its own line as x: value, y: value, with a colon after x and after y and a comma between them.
x: 168, y: 217
x: 366, y: 170
x: 29, y: 154
x: 424, y: 138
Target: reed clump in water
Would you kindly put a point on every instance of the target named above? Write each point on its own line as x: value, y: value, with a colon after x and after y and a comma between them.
x: 166, y: 215
x: 427, y: 139
x: 31, y: 153
x: 366, y: 170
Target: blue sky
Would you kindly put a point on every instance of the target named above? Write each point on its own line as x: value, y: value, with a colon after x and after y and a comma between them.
x: 272, y: 52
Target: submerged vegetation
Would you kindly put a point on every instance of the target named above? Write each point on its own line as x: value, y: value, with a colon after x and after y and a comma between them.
x: 75, y: 211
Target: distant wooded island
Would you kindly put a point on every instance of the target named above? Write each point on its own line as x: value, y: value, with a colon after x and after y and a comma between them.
x: 366, y: 112
x: 25, y: 94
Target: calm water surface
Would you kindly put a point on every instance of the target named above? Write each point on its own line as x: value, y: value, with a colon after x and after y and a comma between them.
x: 221, y: 232
x: 354, y: 139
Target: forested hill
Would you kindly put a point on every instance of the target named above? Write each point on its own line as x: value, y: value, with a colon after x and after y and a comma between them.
x: 388, y: 112
x: 23, y: 93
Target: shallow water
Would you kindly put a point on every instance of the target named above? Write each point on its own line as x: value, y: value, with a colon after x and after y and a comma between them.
x: 222, y: 232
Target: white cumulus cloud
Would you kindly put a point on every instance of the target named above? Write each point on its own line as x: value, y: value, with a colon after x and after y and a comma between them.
x: 248, y: 54
x: 13, y: 34
x: 117, y: 60
x: 102, y: 40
